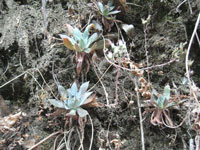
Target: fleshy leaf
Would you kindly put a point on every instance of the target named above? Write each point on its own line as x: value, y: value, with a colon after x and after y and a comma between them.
x: 82, y: 44
x: 165, y: 103
x: 76, y: 103
x: 71, y: 102
x: 166, y: 92
x: 84, y: 88
x: 67, y: 107
x: 57, y: 103
x: 92, y: 39
x: 155, y: 95
x: 88, y: 50
x: 62, y: 91
x: 74, y: 89
x: 161, y: 101
x: 77, y: 47
x: 105, y: 12
x: 67, y: 37
x: 70, y: 29
x: 72, y: 113
x: 68, y: 42
x: 101, y: 7
x: 113, y: 12
x: 82, y: 112
x: 87, y: 30
x: 77, y: 34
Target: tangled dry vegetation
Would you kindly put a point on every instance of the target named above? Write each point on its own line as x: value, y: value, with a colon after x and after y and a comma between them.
x: 133, y: 70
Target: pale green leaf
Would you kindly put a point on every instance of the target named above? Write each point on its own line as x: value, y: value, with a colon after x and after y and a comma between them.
x: 82, y: 112
x: 161, y: 101
x: 87, y: 30
x: 77, y: 34
x: 82, y: 44
x: 105, y: 12
x: 74, y: 89
x: 113, y: 12
x: 155, y: 95
x: 62, y: 91
x: 72, y: 113
x: 84, y: 88
x: 87, y: 50
x: 92, y: 39
x: 101, y: 7
x: 166, y: 92
x: 57, y: 103
x: 71, y: 102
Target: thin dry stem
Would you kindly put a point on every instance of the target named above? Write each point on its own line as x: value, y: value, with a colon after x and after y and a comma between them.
x: 145, y: 47
x: 100, y: 78
x: 29, y: 72
x: 187, y: 59
x: 140, y: 116
x: 174, y: 127
x: 44, y: 140
x: 116, y: 86
x: 106, y: 93
x: 92, y: 135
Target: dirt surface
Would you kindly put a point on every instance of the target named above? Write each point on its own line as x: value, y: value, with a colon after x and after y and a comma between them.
x: 30, y: 45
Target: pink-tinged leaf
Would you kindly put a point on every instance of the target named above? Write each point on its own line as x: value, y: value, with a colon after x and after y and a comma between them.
x: 79, y: 60
x: 79, y: 67
x: 70, y: 29
x: 77, y: 47
x: 68, y: 44
x: 91, y: 102
x: 67, y: 41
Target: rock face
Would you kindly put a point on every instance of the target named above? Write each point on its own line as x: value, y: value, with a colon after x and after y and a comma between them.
x: 31, y: 53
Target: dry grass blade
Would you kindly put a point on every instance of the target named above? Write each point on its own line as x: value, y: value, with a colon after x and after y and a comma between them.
x: 44, y: 140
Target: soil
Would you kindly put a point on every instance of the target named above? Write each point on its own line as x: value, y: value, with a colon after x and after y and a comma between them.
x: 30, y: 45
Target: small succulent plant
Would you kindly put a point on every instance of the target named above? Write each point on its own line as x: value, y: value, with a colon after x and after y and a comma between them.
x: 162, y: 101
x: 79, y: 41
x: 118, y: 51
x: 73, y: 99
x: 107, y: 10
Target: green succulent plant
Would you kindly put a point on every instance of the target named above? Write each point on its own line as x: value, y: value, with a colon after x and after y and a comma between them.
x: 106, y: 10
x: 73, y: 99
x: 162, y: 101
x: 79, y: 41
